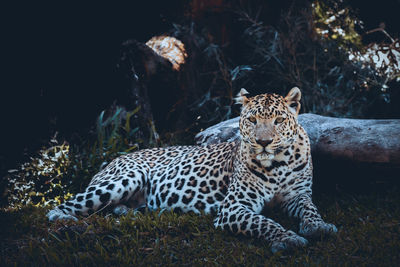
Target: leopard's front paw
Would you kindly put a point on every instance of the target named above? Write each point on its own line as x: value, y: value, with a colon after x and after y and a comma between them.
x: 289, y: 239
x: 317, y: 228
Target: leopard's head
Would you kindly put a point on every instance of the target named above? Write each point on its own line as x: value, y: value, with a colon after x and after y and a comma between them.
x: 268, y: 122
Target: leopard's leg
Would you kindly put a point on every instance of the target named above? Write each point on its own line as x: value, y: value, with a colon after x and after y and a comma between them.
x: 239, y: 213
x: 112, y: 190
x: 311, y: 222
x: 136, y: 203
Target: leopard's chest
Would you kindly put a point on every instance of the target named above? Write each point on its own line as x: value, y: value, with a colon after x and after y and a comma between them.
x: 275, y: 176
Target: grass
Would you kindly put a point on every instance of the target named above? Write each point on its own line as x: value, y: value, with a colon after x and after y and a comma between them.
x: 368, y: 223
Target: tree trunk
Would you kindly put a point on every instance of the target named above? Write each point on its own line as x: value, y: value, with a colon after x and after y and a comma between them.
x: 374, y: 142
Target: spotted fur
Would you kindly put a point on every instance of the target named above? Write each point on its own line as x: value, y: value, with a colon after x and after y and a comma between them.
x: 270, y: 164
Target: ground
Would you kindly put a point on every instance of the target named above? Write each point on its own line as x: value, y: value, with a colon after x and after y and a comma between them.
x: 368, y: 224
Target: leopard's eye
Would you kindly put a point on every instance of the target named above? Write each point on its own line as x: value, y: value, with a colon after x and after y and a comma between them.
x: 253, y: 119
x: 278, y: 120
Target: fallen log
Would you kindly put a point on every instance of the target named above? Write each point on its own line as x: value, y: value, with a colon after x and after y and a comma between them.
x: 375, y: 142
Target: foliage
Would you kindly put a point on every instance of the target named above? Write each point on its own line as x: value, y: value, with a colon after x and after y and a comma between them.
x: 114, y: 137
x: 40, y: 180
x: 368, y: 235
x: 334, y: 20
x: 62, y: 170
x: 292, y: 55
x: 317, y: 48
x: 379, y: 63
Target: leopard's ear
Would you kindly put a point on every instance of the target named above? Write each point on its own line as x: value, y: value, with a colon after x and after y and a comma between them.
x: 241, y: 97
x: 293, y: 100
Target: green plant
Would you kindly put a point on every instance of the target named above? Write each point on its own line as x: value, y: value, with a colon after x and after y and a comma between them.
x: 316, y: 47
x: 61, y: 170
x: 40, y: 181
x: 114, y: 136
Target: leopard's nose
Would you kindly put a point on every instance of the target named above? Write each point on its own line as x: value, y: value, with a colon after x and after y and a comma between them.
x: 264, y: 142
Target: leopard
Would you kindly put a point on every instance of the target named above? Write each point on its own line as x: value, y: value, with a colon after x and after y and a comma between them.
x: 269, y: 165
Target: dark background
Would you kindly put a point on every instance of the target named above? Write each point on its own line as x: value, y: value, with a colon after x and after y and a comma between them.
x: 60, y: 66
x: 59, y: 62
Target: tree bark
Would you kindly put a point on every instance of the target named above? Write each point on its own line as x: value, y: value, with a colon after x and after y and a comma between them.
x: 361, y: 141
